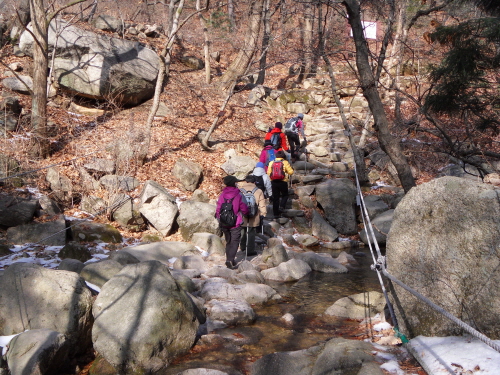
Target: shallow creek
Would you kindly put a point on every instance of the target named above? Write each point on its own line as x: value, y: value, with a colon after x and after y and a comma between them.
x: 233, y: 349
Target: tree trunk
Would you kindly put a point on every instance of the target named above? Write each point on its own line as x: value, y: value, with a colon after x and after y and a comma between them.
x: 389, y: 144
x: 206, y: 47
x: 307, y: 69
x: 241, y: 63
x: 265, y: 44
x: 230, y: 14
x: 40, y: 145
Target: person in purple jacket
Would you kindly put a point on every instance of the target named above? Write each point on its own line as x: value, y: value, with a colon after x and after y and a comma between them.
x: 232, y: 234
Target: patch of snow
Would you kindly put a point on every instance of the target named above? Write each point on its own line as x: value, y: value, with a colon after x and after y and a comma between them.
x: 392, y: 367
x: 4, y: 342
x: 386, y: 356
x: 381, y: 326
x: 455, y: 355
x: 93, y: 287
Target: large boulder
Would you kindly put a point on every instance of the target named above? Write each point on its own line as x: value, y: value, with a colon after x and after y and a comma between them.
x: 197, y: 217
x: 358, y: 306
x: 158, y: 206
x: 89, y: 231
x: 98, y: 273
x: 322, y: 229
x: 38, y: 351
x: 51, y: 233
x: 34, y: 297
x: 381, y: 227
x: 22, y: 85
x: 161, y: 251
x: 126, y: 212
x: 338, y: 198
x: 292, y: 270
x: 188, y: 173
x: 444, y: 242
x: 251, y: 292
x: 231, y: 312
x: 107, y: 22
x: 16, y: 210
x: 209, y: 242
x: 275, y: 253
x: 321, y: 263
x: 97, y: 66
x: 238, y: 166
x: 158, y: 320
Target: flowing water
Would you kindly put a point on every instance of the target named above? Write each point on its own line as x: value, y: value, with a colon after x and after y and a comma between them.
x: 234, y: 349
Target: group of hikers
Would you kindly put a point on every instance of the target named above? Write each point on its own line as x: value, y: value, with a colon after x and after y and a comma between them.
x: 242, y: 205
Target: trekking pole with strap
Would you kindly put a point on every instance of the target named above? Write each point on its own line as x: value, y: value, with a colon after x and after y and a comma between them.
x: 248, y: 235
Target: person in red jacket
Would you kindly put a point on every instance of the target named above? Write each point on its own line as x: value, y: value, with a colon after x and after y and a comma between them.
x: 277, y: 130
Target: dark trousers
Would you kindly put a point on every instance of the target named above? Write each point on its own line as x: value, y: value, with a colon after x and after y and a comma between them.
x: 247, y: 242
x: 232, y: 237
x: 280, y: 195
x: 294, y: 142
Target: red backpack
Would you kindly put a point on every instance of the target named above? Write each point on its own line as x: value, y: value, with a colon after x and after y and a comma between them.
x: 277, y: 171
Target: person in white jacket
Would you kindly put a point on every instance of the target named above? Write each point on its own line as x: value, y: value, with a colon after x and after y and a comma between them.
x: 261, y: 175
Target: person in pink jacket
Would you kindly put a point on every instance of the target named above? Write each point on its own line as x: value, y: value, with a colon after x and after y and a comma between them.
x: 232, y: 234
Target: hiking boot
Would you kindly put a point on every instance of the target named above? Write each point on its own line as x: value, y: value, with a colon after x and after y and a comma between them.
x: 230, y: 265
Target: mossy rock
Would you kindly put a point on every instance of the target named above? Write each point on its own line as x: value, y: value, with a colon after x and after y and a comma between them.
x: 150, y: 238
x: 4, y: 250
x: 87, y: 231
x: 75, y: 250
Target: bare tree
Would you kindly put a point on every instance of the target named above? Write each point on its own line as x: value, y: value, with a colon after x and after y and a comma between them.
x: 206, y: 47
x: 240, y: 65
x: 164, y: 59
x: 389, y: 144
x: 40, y: 22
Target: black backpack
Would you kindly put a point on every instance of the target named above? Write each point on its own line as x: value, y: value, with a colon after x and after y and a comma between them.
x: 276, y: 140
x: 227, y: 217
x: 259, y: 182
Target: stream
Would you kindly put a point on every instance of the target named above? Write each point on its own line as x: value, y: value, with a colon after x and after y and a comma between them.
x: 233, y: 349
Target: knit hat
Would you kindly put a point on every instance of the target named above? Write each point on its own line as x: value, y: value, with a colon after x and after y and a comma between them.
x: 230, y: 181
x: 259, y: 165
x: 300, y: 115
x: 278, y: 125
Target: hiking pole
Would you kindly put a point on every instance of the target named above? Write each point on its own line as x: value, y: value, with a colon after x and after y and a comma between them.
x: 246, y: 250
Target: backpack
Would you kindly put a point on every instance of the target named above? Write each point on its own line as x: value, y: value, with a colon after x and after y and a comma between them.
x: 277, y: 172
x: 291, y: 125
x: 249, y: 197
x: 259, y: 182
x: 227, y: 217
x: 270, y: 156
x: 276, y: 140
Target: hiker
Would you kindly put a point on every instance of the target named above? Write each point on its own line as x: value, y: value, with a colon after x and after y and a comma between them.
x: 262, y: 180
x: 267, y: 154
x: 255, y: 215
x: 231, y: 208
x: 278, y: 171
x: 277, y: 138
x: 293, y: 127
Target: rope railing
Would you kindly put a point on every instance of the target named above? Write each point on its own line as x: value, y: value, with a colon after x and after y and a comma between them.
x: 380, y: 267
